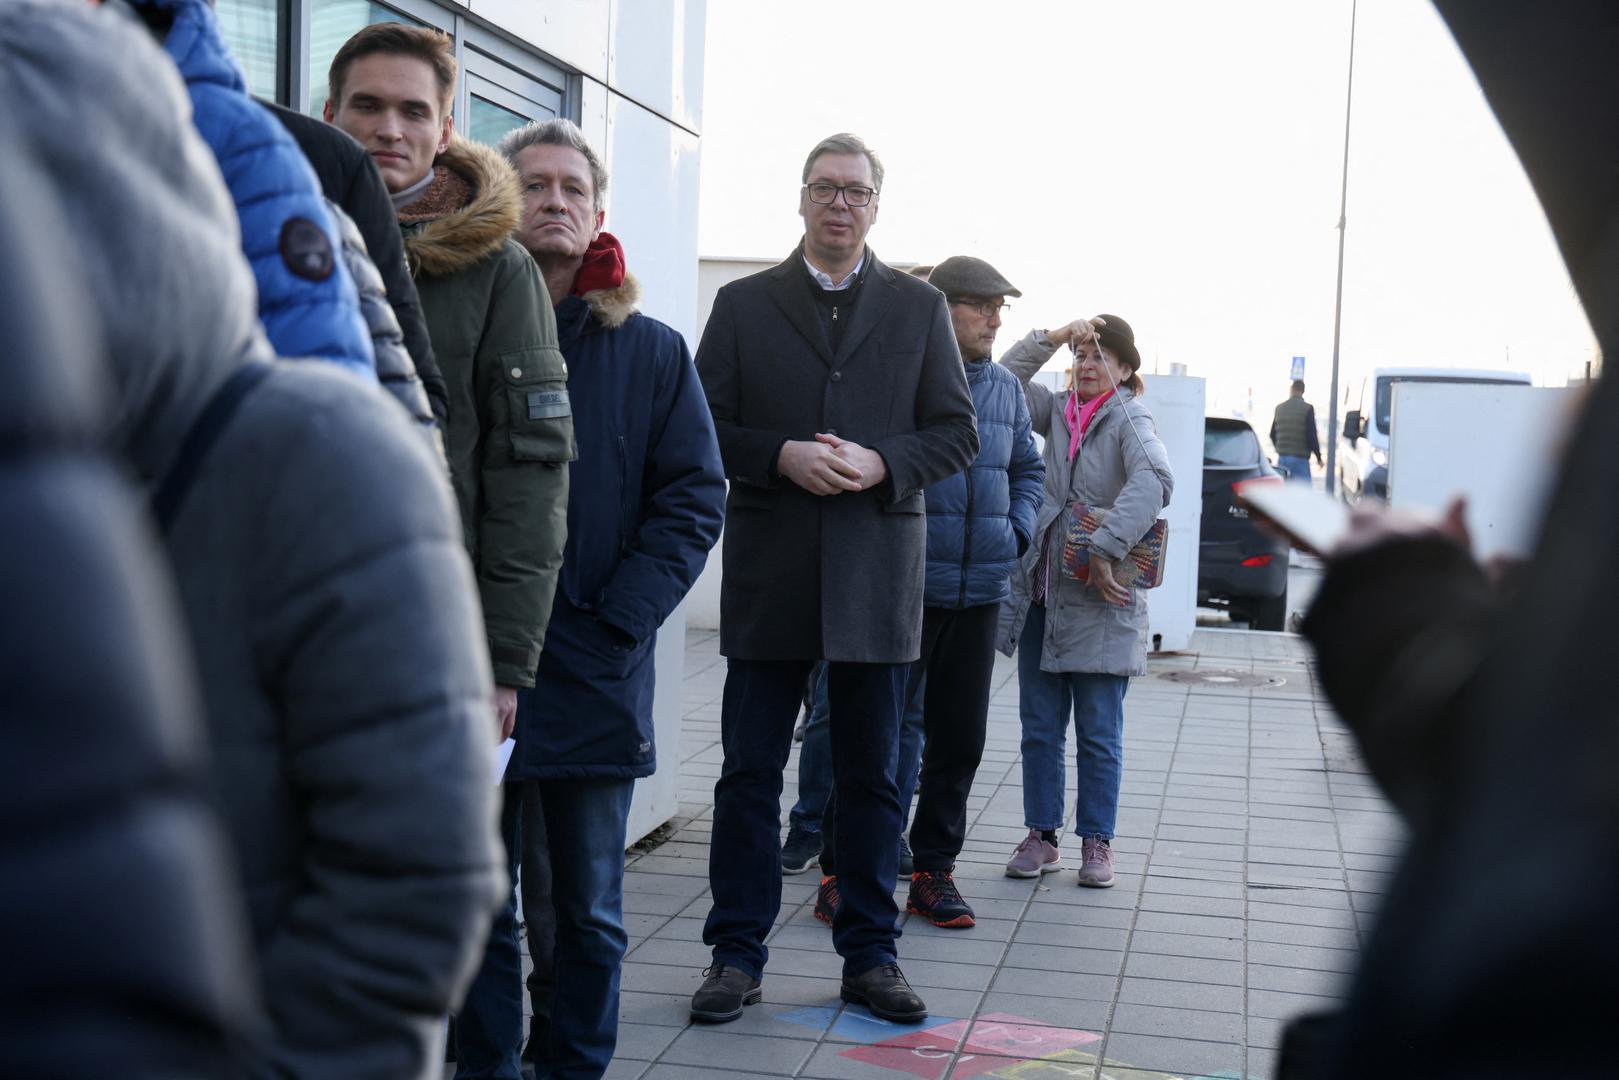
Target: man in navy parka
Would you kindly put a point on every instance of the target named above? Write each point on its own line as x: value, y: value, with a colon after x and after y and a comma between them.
x: 645, y: 505
x: 307, y: 301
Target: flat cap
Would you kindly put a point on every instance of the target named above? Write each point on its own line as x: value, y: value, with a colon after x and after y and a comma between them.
x: 963, y: 275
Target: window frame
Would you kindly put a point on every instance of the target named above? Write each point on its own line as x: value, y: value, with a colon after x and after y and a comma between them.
x: 515, y: 68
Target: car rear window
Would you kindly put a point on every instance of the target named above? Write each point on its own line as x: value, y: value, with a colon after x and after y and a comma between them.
x: 1233, y: 445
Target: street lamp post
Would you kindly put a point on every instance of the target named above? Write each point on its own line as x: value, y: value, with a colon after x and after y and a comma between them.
x: 1338, y: 302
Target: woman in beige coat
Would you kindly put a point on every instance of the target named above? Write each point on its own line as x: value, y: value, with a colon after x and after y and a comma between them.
x: 1079, y: 643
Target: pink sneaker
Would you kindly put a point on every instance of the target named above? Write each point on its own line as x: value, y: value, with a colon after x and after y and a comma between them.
x: 1033, y: 857
x: 1097, y: 870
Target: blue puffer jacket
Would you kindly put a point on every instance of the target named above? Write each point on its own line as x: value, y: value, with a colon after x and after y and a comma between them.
x: 980, y: 520
x: 307, y: 302
x: 646, y: 501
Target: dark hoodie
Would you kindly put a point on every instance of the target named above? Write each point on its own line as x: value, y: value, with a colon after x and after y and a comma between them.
x: 329, y: 605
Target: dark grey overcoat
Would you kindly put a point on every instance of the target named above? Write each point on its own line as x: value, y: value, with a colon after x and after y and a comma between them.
x: 835, y: 577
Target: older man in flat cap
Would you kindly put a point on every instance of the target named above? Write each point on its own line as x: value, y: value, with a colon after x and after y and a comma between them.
x: 979, y: 523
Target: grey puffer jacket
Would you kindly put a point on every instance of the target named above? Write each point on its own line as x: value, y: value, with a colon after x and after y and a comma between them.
x: 1083, y: 631
x: 396, y: 371
x: 326, y: 595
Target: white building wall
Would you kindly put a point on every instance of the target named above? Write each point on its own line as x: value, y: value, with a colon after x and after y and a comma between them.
x: 640, y: 94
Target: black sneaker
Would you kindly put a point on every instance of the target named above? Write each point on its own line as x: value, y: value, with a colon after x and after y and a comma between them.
x: 801, y: 851
x: 885, y: 992
x: 907, y: 866
x: 827, y: 900
x: 723, y: 995
x: 934, y: 896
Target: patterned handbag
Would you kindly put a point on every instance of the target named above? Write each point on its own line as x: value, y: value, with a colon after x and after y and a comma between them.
x: 1141, y: 568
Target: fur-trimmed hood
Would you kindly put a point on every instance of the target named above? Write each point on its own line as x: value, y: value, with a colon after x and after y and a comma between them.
x: 613, y: 307
x: 473, y: 204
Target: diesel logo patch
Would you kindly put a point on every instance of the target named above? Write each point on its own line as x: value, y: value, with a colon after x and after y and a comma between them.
x: 544, y: 404
x: 306, y: 250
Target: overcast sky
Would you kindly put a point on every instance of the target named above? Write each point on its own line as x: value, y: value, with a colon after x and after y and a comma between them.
x: 1174, y: 162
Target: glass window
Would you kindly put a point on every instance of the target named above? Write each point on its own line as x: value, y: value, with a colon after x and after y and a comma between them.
x: 1230, y: 444
x: 332, y: 22
x: 251, y: 31
x: 490, y: 121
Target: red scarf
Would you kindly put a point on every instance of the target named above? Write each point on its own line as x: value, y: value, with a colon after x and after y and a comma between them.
x: 603, y: 265
x: 1079, y: 418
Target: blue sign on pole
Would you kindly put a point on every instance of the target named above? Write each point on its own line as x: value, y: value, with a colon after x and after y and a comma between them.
x: 1298, y: 368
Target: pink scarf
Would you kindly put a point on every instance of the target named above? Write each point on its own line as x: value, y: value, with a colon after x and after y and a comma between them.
x: 1079, y: 418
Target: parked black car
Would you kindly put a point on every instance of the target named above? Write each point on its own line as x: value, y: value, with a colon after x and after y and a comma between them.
x: 1239, y: 568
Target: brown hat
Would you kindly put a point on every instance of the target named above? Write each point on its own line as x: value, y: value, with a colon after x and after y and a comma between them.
x: 963, y: 275
x: 1120, y: 340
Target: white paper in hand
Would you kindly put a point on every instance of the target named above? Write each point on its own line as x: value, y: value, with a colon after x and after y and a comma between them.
x: 503, y: 756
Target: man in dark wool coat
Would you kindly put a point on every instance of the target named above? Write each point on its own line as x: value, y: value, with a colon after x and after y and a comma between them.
x: 838, y: 395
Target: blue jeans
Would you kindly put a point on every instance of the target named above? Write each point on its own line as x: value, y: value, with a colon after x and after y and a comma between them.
x: 1297, y: 468
x: 1044, y: 702
x: 584, y: 831
x: 762, y: 699
x: 815, y: 758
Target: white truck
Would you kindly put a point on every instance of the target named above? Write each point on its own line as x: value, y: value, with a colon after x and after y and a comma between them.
x: 1363, y: 446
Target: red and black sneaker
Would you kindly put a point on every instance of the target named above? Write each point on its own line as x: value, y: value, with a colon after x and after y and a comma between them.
x: 934, y: 896
x: 827, y: 900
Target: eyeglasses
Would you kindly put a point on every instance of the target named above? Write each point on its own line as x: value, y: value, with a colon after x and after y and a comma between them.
x: 987, y: 308
x: 825, y: 193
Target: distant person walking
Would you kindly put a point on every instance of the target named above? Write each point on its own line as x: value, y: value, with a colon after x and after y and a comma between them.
x: 1079, y: 643
x: 1292, y: 432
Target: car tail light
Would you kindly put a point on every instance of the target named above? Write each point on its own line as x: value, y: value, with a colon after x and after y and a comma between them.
x: 1257, y: 560
x: 1237, y: 485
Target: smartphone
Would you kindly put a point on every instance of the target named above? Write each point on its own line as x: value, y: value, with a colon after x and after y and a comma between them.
x: 1312, y: 521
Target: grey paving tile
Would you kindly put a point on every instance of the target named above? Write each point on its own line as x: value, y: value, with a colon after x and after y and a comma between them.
x: 1091, y: 961
x: 1071, y: 937
x: 1172, y: 923
x: 1185, y: 1056
x: 718, y: 1048
x: 1049, y: 983
x: 1299, y: 934
x: 1178, y: 1023
x: 1181, y: 995
x: 1296, y: 980
x: 1193, y: 905
x: 643, y: 1042
x: 641, y: 1007
x: 1194, y: 945
x: 1281, y: 1005
x: 1302, y: 956
x: 663, y: 1071
x: 1084, y: 1014
x: 1183, y: 968
x: 1334, y: 916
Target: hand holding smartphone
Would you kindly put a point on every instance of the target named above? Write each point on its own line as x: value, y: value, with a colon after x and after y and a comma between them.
x: 1312, y: 521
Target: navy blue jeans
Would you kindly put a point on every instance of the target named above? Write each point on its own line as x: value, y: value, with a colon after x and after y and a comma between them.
x: 815, y: 759
x: 1045, y: 701
x: 584, y: 834
x: 762, y: 699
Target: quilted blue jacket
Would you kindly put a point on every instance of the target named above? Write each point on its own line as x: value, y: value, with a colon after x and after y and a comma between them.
x: 307, y: 302
x: 980, y: 520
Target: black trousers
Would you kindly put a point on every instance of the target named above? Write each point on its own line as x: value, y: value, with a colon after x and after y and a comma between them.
x: 958, y: 658
x: 762, y: 699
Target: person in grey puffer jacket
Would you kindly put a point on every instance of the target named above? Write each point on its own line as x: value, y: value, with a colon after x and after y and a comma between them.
x: 979, y: 521
x: 1078, y: 643
x: 314, y: 541
x: 120, y: 929
x: 395, y: 369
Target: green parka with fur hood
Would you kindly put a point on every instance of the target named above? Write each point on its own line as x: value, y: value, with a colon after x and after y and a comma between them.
x: 510, y: 430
